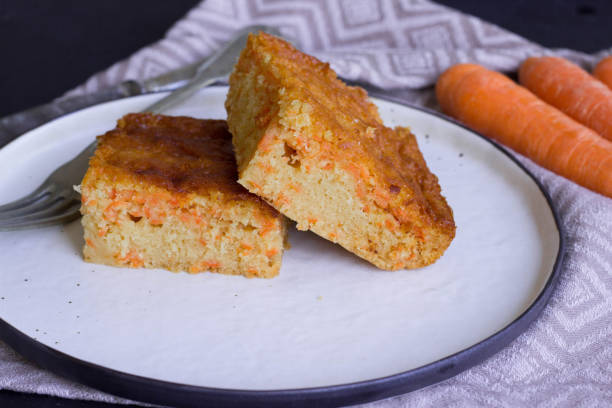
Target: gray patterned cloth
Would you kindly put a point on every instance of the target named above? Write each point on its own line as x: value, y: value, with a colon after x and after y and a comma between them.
x: 565, y: 358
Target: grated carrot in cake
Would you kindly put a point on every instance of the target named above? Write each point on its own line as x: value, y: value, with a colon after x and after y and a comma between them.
x: 317, y: 150
x: 161, y: 192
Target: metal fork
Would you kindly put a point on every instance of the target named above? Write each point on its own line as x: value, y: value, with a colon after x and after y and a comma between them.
x: 55, y: 201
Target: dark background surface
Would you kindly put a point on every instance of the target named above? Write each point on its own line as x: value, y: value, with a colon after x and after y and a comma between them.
x: 48, y: 47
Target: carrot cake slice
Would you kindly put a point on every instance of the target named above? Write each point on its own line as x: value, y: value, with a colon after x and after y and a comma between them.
x: 317, y: 150
x: 161, y: 192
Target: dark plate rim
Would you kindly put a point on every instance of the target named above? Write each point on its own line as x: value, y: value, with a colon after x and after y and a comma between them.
x: 154, y: 391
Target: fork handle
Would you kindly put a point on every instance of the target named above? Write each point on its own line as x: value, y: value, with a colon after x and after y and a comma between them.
x: 180, y: 94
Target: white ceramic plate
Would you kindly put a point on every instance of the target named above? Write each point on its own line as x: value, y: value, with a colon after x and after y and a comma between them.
x: 328, y: 321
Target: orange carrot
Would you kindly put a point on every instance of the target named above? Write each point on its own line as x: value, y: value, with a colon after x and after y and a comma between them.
x: 495, y: 106
x: 570, y: 89
x: 603, y: 71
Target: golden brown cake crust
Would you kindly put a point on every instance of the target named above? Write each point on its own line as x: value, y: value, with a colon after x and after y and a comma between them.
x: 345, y: 128
x: 181, y: 154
